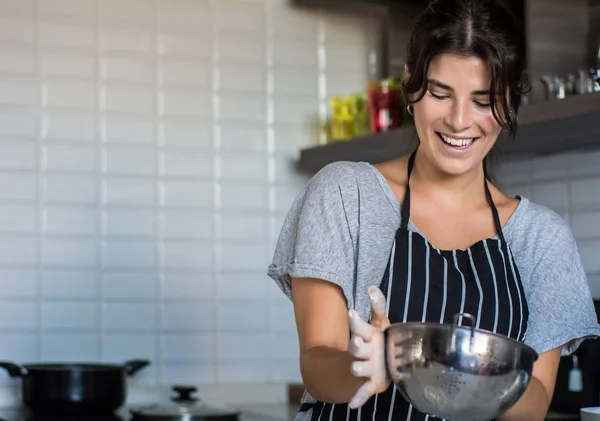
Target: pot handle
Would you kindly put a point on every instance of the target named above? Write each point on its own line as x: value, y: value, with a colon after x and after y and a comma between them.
x: 133, y: 366
x: 14, y: 370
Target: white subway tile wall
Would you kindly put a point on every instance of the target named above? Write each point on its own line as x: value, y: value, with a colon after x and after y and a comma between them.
x: 146, y: 168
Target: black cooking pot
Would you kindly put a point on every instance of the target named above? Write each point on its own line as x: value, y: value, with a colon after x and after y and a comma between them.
x: 75, y: 389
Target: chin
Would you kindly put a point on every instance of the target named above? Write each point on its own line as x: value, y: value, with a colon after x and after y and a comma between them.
x: 457, y: 160
x: 454, y: 167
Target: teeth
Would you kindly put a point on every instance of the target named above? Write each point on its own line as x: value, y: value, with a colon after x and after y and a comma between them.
x: 457, y: 142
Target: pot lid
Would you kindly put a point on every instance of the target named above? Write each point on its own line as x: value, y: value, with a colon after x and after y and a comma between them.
x: 185, y: 407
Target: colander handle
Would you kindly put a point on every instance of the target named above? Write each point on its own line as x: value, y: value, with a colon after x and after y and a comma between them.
x: 472, y: 327
x: 452, y: 343
x: 464, y: 316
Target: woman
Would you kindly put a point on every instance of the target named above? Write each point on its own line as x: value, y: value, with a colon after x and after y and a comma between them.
x: 426, y: 236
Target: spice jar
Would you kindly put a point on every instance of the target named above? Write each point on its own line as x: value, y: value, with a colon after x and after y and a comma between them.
x: 385, y: 102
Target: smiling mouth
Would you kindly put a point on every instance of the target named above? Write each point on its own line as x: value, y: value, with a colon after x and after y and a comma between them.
x: 460, y: 143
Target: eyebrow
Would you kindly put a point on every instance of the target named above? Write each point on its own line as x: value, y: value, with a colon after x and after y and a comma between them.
x: 438, y: 84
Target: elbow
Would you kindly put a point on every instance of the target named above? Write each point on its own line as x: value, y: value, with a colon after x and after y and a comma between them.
x: 310, y: 383
x: 312, y: 387
x: 533, y: 405
x: 324, y: 387
x: 317, y: 388
x: 321, y: 394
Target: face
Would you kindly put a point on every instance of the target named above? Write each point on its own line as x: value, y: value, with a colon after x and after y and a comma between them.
x: 454, y: 119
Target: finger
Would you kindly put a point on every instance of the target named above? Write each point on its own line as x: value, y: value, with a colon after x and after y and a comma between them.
x: 398, y: 377
x: 359, y: 348
x: 378, y: 302
x: 362, y: 395
x: 400, y: 361
x: 361, y: 368
x: 359, y: 327
x: 401, y: 338
x: 380, y: 322
x: 378, y: 308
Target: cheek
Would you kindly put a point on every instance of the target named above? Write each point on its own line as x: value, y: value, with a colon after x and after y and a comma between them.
x: 488, y: 123
x: 427, y: 111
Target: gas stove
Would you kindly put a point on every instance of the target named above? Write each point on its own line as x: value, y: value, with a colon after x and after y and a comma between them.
x: 123, y: 414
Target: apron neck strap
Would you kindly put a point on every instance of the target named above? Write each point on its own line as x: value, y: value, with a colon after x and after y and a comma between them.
x: 405, y: 210
x: 497, y: 223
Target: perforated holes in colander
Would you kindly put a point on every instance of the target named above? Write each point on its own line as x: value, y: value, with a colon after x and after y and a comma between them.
x: 450, y: 381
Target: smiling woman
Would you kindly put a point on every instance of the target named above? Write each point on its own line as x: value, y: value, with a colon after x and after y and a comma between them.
x: 427, y: 236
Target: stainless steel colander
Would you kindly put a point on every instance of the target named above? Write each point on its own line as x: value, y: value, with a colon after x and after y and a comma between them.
x: 457, y: 373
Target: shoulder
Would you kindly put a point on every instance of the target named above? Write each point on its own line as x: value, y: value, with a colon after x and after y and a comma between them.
x: 541, y: 242
x: 356, y: 183
x: 336, y: 194
x: 343, y: 174
x: 538, y: 224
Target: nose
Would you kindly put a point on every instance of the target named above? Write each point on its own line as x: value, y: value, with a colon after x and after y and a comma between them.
x: 460, y: 116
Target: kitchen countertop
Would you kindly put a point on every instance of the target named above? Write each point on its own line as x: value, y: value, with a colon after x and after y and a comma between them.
x: 561, y: 417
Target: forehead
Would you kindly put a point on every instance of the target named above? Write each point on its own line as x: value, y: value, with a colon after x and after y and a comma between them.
x: 460, y: 72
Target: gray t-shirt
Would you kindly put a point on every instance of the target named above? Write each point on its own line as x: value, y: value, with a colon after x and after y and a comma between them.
x: 342, y: 225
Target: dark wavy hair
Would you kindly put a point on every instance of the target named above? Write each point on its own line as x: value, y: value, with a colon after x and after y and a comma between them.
x: 486, y: 29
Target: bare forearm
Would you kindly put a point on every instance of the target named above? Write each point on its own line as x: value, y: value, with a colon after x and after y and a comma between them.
x: 532, y: 406
x: 326, y: 374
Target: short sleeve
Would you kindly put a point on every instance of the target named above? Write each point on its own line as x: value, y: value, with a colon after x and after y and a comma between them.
x: 318, y: 236
x: 561, y: 309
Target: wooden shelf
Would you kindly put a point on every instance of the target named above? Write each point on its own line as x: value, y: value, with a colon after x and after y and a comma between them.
x: 545, y: 128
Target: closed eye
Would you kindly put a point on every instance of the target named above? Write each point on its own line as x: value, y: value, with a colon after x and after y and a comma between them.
x: 442, y: 97
x: 438, y: 96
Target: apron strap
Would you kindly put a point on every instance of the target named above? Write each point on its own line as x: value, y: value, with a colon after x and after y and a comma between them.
x: 405, y: 210
x: 497, y: 223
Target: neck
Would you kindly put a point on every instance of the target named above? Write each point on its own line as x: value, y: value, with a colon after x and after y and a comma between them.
x: 466, y: 189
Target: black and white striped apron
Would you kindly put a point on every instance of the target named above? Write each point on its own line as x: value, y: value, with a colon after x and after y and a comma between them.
x: 425, y: 284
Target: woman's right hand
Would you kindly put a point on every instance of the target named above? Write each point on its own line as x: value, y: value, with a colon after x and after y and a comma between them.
x: 367, y: 345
